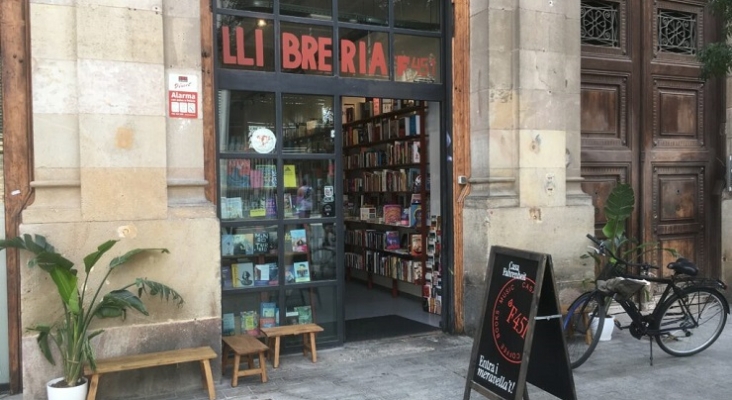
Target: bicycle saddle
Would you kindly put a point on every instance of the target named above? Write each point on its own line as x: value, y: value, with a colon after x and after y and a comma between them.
x: 683, y: 266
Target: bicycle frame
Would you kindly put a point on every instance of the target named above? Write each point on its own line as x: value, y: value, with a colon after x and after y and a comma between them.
x: 639, y: 322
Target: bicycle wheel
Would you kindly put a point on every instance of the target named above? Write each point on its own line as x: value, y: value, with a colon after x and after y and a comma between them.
x: 691, y: 322
x: 582, y: 326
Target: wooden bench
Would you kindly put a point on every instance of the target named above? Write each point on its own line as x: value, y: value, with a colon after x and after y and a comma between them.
x: 307, y: 331
x: 244, y: 345
x: 125, y: 363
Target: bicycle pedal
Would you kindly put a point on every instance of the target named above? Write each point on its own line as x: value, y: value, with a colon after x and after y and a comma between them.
x: 617, y: 325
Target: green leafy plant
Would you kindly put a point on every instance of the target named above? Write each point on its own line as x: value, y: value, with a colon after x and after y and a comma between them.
x: 716, y: 57
x: 71, y: 335
x: 618, y: 208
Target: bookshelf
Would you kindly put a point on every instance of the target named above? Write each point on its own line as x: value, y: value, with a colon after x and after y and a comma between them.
x: 386, y: 191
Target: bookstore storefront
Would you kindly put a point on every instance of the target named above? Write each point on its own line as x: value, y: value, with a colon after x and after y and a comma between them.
x: 331, y: 152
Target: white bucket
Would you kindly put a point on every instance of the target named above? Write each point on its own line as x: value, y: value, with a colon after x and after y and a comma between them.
x: 607, y: 329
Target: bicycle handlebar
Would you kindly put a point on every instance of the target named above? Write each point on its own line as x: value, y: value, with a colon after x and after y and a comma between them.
x: 604, y: 250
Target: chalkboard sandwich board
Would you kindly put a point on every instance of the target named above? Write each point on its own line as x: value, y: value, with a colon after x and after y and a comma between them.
x: 520, y: 334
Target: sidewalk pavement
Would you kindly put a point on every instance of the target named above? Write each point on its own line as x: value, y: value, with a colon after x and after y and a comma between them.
x: 434, y: 366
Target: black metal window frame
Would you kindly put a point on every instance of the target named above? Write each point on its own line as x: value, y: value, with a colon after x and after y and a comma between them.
x: 281, y: 83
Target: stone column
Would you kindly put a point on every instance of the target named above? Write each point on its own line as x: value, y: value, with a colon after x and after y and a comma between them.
x: 525, y: 105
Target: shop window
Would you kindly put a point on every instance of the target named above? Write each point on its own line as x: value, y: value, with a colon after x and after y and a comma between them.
x: 246, y: 122
x: 373, y: 12
x: 309, y: 188
x: 319, y: 9
x: 416, y: 59
x: 417, y: 14
x: 246, y: 5
x: 307, y: 124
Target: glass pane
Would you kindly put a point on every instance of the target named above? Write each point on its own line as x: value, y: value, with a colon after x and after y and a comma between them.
x: 317, y: 305
x: 264, y: 6
x: 374, y: 12
x: 309, y: 253
x: 249, y: 257
x: 309, y: 188
x: 417, y: 14
x: 245, y: 43
x: 417, y: 59
x: 246, y: 122
x: 307, y: 49
x: 364, y: 54
x: 321, y: 9
x: 249, y: 311
x: 307, y: 124
x: 248, y: 189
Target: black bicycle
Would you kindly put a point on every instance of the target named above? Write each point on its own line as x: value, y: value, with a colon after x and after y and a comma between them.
x: 690, y: 314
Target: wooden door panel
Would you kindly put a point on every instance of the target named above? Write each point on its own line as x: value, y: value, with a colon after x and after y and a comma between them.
x: 604, y: 111
x: 679, y: 212
x: 678, y: 114
x: 598, y: 182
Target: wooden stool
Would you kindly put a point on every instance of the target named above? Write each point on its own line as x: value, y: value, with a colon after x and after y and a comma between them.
x: 244, y: 345
x: 307, y: 331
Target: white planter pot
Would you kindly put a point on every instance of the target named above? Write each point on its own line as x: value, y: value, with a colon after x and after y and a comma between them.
x: 69, y: 393
x: 607, y: 328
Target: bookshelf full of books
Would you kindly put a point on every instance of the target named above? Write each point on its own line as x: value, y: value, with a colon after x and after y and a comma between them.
x: 276, y: 196
x: 386, y: 189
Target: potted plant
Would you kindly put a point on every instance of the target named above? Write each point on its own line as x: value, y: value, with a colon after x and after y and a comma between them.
x: 71, y: 334
x: 618, y: 208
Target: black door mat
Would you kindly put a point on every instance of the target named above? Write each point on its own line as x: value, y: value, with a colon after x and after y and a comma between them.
x: 382, y: 327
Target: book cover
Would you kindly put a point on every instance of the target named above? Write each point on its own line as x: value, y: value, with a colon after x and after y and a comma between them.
x: 290, y: 274
x: 267, y: 315
x: 243, y: 244
x: 234, y: 207
x: 288, y: 204
x: 274, y: 276
x: 415, y: 244
x: 304, y: 314
x: 243, y: 273
x: 256, y: 179
x: 270, y: 208
x: 292, y: 317
x: 392, y: 213
x: 392, y: 240
x: 237, y: 174
x: 273, y: 242
x: 227, y: 281
x: 269, y: 175
x: 250, y: 323
x: 227, y: 244
x: 302, y: 271
x: 228, y: 325
x: 415, y: 215
x: 299, y: 240
x: 290, y: 176
x: 261, y: 242
x: 261, y: 275
x: 416, y: 155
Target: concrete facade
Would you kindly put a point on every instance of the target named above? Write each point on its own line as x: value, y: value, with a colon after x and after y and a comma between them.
x: 525, y: 105
x: 110, y: 164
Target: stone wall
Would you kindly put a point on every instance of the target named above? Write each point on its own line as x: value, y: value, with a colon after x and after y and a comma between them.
x: 109, y: 163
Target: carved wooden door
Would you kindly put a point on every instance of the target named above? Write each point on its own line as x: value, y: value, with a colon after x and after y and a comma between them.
x: 648, y: 120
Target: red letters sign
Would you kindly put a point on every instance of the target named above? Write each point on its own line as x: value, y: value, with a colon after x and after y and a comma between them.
x: 306, y: 52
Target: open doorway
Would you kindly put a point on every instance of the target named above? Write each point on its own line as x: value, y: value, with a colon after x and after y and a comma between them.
x: 392, y: 217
